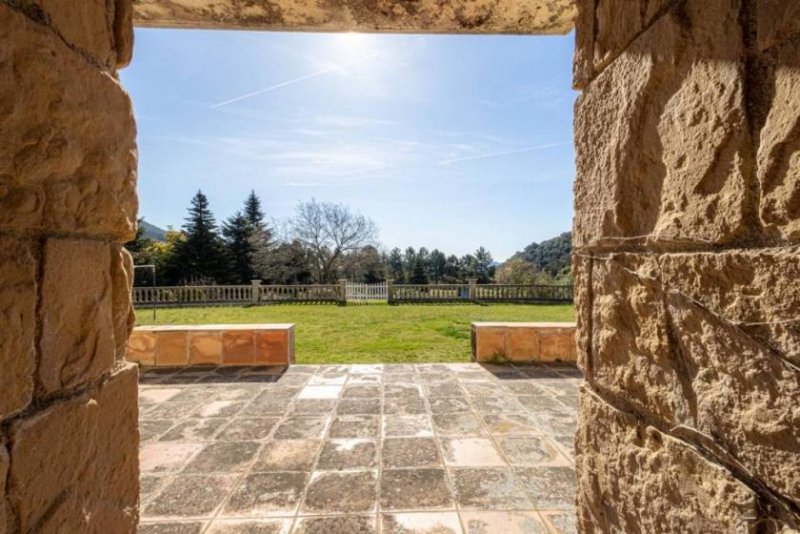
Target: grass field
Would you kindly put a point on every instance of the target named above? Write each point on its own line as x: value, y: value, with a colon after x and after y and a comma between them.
x: 370, y: 334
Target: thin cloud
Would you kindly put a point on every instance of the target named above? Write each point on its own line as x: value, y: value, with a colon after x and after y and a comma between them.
x: 503, y: 153
x: 326, y: 70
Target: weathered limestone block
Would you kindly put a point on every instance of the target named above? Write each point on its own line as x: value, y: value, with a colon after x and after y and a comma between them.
x: 17, y: 325
x: 123, y: 32
x: 758, y: 290
x: 74, y: 466
x: 50, y: 452
x: 673, y: 359
x: 777, y: 20
x: 122, y: 308
x: 453, y: 16
x: 77, y: 340
x: 87, y: 26
x: 634, y: 479
x: 618, y: 23
x: 113, y: 482
x: 582, y: 64
x: 4, y: 461
x: 661, y: 135
x: 779, y: 148
x: 582, y: 288
x: 68, y: 156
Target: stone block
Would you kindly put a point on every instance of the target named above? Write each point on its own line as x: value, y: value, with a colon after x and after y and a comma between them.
x: 68, y: 157
x: 488, y: 343
x: 777, y: 20
x: 582, y: 65
x: 522, y: 344
x: 274, y: 347
x: 172, y: 348
x: 238, y: 347
x: 121, y: 306
x: 86, y: 26
x: 617, y: 24
x: 205, y: 348
x: 123, y: 32
x: 4, y: 461
x: 673, y: 359
x: 779, y: 143
x: 661, y: 136
x: 557, y: 344
x: 50, y: 452
x: 757, y: 290
x: 142, y: 347
x: 633, y: 478
x: 582, y: 273
x: 112, y: 484
x: 77, y: 333
x: 18, y: 271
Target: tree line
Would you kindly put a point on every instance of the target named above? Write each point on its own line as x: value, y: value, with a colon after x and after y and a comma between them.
x: 323, y: 242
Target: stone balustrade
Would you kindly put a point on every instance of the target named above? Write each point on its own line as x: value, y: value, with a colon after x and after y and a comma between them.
x: 181, y: 345
x: 523, y: 342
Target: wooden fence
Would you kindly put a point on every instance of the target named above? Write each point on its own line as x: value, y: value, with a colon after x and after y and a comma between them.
x: 345, y: 292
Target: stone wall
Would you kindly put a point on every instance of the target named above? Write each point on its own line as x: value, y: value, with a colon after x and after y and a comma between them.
x: 68, y: 412
x: 687, y: 262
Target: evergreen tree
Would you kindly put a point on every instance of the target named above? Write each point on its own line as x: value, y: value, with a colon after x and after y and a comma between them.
x: 484, y: 266
x: 200, y: 257
x: 238, y: 232
x: 253, y: 212
x: 409, y: 260
x: 452, y: 269
x: 394, y: 266
x: 437, y: 265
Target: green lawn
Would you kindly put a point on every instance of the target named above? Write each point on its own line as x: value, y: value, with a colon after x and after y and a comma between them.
x: 370, y: 334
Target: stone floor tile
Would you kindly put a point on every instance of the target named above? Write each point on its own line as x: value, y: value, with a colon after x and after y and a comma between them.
x: 488, y: 489
x: 457, y: 424
x: 223, y: 457
x: 540, y: 402
x: 328, y: 380
x: 512, y: 424
x: 189, y: 496
x: 556, y: 423
x: 410, y: 452
x: 525, y: 387
x: 404, y: 405
x: 449, y: 389
x: 567, y: 444
x: 399, y: 378
x: 415, y: 489
x: 344, y: 454
x: 403, y: 389
x: 255, y: 526
x: 355, y: 380
x: 570, y: 401
x: 338, y: 524
x: 505, y: 522
x: 406, y: 426
x: 482, y: 389
x: 333, y: 492
x: 287, y: 455
x: 359, y: 407
x: 369, y: 391
x: 561, y: 522
x: 247, y: 429
x: 275, y: 494
x: 366, y: 369
x: 497, y: 405
x: 152, y: 396
x: 355, y: 426
x: 169, y: 410
x: 166, y: 457
x: 193, y: 429
x: 149, y: 430
x: 265, y: 406
x: 293, y: 380
x: 313, y: 406
x: 171, y: 527
x: 149, y: 486
x: 531, y: 451
x: 448, y: 405
x: 421, y: 523
x: 320, y: 392
x: 471, y: 452
x: 301, y: 427
x: 399, y: 368
x: 549, y: 488
x: 336, y: 369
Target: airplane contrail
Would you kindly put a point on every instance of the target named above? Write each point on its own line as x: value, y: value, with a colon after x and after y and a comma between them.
x: 504, y: 153
x: 320, y: 72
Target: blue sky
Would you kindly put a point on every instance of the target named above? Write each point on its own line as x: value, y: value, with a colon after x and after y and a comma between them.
x: 444, y: 141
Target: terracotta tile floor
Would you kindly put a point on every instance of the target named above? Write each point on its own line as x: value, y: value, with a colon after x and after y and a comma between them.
x: 457, y: 448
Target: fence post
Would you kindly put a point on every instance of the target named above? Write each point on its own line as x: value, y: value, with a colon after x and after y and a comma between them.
x: 255, y: 291
x: 342, y: 291
x: 389, y: 290
x: 473, y: 293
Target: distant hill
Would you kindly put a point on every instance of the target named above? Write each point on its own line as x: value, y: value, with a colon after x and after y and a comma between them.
x: 153, y: 232
x: 551, y: 256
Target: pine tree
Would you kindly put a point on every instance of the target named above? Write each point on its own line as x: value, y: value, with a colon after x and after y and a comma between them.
x: 253, y: 213
x: 200, y: 257
x: 239, y: 233
x: 394, y: 266
x: 261, y: 235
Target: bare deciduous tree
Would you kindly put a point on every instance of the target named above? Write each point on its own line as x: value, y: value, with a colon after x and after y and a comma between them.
x: 328, y: 231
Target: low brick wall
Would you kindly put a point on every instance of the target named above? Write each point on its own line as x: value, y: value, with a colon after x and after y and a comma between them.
x: 523, y: 342
x: 247, y: 344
